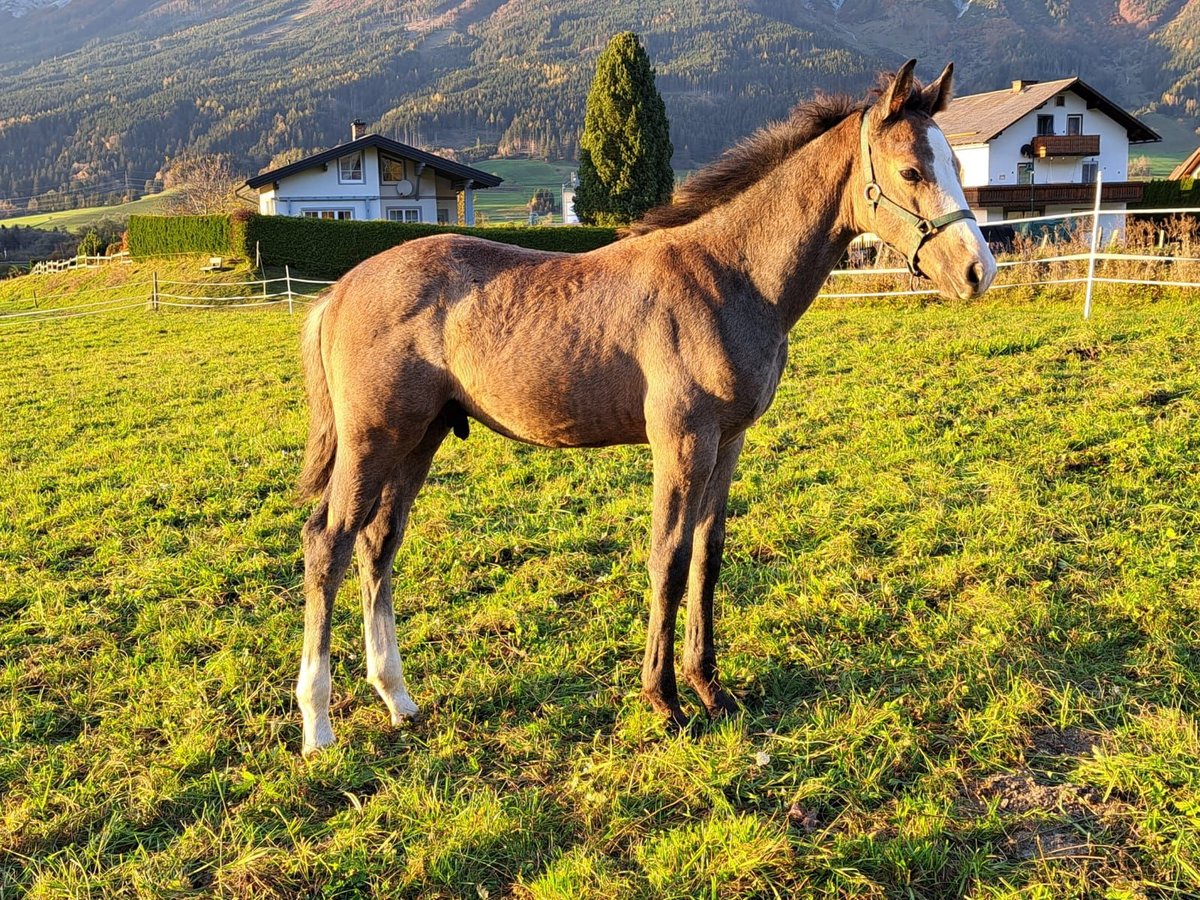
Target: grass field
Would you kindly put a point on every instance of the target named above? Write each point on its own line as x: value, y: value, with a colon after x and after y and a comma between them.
x: 959, y: 607
x: 522, y: 177
x: 1178, y: 141
x: 79, y: 219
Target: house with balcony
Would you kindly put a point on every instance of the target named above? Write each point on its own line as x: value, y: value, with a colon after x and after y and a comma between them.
x: 1037, y: 148
x: 372, y: 177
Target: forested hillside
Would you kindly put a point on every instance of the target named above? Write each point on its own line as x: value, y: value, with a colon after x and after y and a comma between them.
x: 96, y: 96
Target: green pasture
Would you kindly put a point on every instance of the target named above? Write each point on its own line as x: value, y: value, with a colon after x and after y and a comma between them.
x: 1178, y: 141
x: 79, y: 219
x: 522, y: 177
x: 960, y: 610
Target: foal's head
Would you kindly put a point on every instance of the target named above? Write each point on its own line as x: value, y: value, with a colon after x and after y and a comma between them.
x: 909, y: 192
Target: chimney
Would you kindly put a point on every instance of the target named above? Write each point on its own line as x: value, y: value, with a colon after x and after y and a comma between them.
x: 1018, y: 86
x: 358, y: 128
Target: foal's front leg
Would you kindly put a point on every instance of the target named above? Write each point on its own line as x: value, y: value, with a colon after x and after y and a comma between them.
x: 708, y: 545
x: 683, y: 462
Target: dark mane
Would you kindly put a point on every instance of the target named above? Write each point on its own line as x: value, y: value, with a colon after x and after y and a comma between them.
x: 755, y: 157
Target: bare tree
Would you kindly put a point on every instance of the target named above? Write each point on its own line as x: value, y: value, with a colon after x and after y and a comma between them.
x: 201, y: 185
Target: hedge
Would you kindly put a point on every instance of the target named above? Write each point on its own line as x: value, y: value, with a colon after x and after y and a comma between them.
x: 1163, y: 194
x: 326, y: 248
x: 165, y: 235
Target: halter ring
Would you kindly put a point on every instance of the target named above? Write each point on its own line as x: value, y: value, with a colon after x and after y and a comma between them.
x: 873, y: 192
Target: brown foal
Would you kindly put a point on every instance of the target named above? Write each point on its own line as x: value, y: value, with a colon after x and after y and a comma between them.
x: 675, y: 336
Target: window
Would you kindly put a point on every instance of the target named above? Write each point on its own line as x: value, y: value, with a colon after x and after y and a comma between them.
x: 1045, y: 125
x: 350, y: 169
x: 1060, y: 100
x: 1025, y: 173
x: 404, y: 215
x: 1090, y: 168
x: 1074, y: 124
x: 392, y: 170
x: 443, y: 217
x: 343, y: 214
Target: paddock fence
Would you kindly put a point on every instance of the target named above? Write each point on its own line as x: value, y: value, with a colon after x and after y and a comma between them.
x: 1103, y: 247
x: 1160, y: 248
x: 155, y: 294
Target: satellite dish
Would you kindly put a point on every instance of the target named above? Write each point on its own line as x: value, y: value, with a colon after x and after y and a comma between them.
x: 1027, y: 151
x: 404, y: 187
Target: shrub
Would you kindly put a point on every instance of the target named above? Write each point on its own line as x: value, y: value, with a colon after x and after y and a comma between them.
x: 328, y: 249
x: 166, y: 235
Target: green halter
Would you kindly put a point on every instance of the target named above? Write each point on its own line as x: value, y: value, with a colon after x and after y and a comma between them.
x: 921, y: 229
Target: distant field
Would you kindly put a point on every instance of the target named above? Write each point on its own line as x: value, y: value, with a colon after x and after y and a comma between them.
x: 960, y: 608
x: 508, y: 203
x: 1178, y: 141
x: 79, y: 219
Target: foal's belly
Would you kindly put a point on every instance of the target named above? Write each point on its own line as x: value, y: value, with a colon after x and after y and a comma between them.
x: 553, y: 398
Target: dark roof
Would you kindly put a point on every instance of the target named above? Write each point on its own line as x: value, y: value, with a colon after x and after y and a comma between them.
x: 447, y: 167
x: 1187, y: 168
x: 977, y: 118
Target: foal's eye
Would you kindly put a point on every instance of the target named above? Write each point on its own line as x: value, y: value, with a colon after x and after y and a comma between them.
x: 912, y: 176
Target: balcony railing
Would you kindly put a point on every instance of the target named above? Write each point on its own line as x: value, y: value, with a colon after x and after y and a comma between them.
x: 1025, y: 196
x: 1051, y: 145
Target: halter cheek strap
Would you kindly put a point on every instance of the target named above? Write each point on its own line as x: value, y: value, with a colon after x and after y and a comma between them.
x: 918, y: 228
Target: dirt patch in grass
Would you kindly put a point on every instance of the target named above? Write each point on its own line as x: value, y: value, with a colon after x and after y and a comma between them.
x: 1047, y: 818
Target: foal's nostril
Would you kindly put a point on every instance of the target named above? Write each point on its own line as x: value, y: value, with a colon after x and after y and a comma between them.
x: 975, y: 274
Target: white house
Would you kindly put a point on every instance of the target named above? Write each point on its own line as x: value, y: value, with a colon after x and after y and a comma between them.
x: 372, y: 177
x: 1035, y: 149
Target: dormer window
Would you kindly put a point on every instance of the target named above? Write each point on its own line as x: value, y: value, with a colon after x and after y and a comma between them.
x: 350, y: 169
x: 392, y: 170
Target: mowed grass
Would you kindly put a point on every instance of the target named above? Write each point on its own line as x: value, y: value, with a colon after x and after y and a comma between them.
x: 960, y: 609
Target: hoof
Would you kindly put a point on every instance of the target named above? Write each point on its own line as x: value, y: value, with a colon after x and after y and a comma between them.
x: 722, y: 705
x: 317, y: 742
x: 402, y: 709
x: 671, y: 713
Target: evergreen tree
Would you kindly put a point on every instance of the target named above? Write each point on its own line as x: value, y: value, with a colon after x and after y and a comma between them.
x: 625, y: 150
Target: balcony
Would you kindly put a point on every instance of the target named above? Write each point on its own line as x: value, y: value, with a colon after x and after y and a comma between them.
x: 1027, y: 196
x: 1048, y: 146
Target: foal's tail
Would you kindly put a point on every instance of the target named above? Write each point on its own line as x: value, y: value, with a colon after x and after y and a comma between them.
x: 322, y: 435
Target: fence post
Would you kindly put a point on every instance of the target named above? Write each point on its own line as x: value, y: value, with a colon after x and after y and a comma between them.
x: 257, y: 259
x: 154, y: 294
x: 287, y: 274
x: 1091, y: 278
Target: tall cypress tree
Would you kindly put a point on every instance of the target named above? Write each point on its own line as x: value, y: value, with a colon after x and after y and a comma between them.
x: 625, y: 150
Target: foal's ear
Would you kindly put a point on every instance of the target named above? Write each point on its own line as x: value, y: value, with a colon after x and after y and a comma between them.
x: 937, y: 94
x: 891, y: 104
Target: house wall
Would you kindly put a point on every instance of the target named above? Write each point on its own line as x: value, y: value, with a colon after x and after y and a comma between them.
x: 319, y: 189
x: 1005, y: 149
x: 974, y: 162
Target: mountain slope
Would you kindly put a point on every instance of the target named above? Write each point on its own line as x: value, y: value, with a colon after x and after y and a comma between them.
x: 95, y: 96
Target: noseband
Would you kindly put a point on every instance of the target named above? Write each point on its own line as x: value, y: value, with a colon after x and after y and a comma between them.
x: 919, y: 229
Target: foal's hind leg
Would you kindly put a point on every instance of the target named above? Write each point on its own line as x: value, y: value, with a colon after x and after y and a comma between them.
x: 377, y: 546
x: 354, y: 490
x: 699, y: 652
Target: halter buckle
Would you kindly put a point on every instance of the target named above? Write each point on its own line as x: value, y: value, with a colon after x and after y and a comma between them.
x: 926, y: 227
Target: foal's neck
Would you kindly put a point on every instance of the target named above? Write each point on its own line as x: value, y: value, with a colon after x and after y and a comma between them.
x: 791, y: 228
